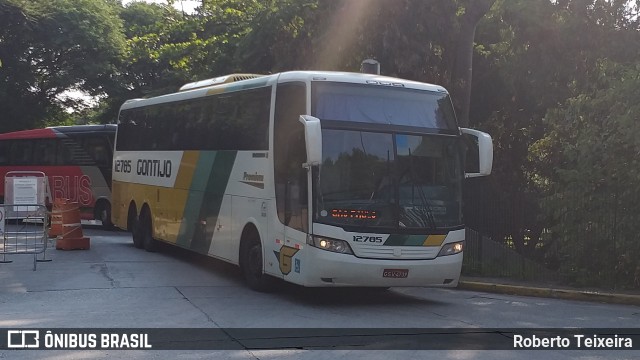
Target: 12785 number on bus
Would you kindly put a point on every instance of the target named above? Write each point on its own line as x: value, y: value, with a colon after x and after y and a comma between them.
x: 369, y: 239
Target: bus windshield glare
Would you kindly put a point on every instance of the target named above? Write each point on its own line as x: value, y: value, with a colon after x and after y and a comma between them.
x: 381, y: 177
x: 383, y: 105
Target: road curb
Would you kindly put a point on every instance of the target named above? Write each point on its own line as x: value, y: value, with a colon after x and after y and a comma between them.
x: 566, y: 294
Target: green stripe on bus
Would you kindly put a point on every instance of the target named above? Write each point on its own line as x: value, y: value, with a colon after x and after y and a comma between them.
x: 201, y: 176
x: 212, y: 199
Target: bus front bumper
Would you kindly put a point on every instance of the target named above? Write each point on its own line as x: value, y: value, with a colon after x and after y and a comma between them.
x: 321, y: 268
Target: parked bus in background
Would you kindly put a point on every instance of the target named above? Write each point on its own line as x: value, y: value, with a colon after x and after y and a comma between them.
x: 317, y: 178
x: 76, y: 160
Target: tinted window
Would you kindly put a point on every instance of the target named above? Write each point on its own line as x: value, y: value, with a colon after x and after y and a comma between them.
x: 45, y: 152
x: 75, y: 149
x: 230, y: 121
x: 98, y: 148
x: 5, y: 151
x: 71, y: 152
x: 22, y: 152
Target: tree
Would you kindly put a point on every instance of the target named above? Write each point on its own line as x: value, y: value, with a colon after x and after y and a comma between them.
x: 531, y: 57
x: 284, y: 39
x: 166, y: 48
x: 592, y: 177
x: 472, y: 12
x: 142, y: 70
x: 421, y: 40
x: 48, y: 47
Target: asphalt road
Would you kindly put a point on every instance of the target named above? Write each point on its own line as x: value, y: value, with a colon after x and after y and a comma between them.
x: 114, y: 285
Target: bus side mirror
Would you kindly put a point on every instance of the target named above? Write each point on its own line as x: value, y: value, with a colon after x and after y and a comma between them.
x: 485, y: 152
x: 313, y: 139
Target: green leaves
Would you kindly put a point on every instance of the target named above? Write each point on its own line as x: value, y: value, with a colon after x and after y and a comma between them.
x: 591, y: 149
x: 50, y: 46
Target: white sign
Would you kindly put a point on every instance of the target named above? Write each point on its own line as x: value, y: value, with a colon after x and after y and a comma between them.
x: 25, y: 191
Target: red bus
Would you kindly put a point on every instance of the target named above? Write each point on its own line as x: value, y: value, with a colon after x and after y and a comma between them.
x: 76, y: 160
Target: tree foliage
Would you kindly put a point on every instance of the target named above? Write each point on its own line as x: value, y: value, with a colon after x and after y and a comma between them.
x: 531, y: 57
x: 48, y: 47
x: 589, y: 168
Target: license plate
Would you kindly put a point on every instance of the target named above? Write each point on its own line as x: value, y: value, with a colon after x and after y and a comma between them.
x: 395, y: 273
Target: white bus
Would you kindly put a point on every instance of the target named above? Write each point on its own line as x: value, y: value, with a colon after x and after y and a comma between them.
x: 316, y: 178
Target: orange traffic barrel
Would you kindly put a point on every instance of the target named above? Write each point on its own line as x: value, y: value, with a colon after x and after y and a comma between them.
x: 71, y: 237
x: 56, y: 217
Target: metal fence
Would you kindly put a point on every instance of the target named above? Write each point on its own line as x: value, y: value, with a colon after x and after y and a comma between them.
x: 584, y: 240
x: 488, y: 258
x: 23, y: 229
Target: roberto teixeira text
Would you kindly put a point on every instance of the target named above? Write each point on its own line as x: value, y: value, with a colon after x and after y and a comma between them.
x: 575, y: 341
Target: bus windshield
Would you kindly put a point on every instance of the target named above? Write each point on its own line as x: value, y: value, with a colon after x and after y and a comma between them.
x: 391, y: 158
x: 389, y: 181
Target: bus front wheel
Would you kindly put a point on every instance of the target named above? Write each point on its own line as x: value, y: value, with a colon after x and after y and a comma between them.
x: 251, y: 263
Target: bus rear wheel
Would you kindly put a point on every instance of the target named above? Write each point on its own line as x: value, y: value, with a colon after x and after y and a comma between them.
x: 251, y: 264
x: 103, y: 213
x: 134, y: 228
x: 146, y: 233
x: 137, y: 235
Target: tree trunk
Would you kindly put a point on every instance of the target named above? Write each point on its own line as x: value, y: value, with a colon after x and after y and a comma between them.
x: 462, y: 69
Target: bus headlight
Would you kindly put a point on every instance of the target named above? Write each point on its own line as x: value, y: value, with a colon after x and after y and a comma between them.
x: 451, y: 248
x: 334, y: 245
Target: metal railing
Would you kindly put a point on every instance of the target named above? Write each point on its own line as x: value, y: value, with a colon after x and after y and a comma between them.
x: 488, y: 258
x: 582, y: 240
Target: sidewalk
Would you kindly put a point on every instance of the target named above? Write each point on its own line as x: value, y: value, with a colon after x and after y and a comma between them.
x: 508, y: 286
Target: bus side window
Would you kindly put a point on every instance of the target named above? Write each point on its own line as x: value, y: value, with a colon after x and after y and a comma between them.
x: 5, y: 150
x: 251, y: 112
x: 57, y: 155
x: 131, y: 130
x: 39, y: 152
x: 64, y: 154
x: 97, y: 149
x: 22, y: 152
x: 44, y: 152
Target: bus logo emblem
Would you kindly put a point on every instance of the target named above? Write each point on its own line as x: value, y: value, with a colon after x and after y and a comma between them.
x: 285, y: 256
